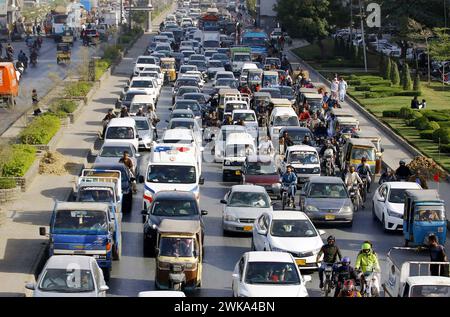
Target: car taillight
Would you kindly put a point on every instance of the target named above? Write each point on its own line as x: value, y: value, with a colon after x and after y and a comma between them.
x: 183, y: 149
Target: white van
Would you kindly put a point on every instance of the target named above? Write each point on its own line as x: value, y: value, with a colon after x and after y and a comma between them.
x: 233, y: 105
x: 250, y: 121
x: 304, y: 159
x: 171, y: 167
x: 122, y: 130
x: 237, y: 147
x: 139, y: 101
x: 221, y: 139
x: 282, y: 117
x: 183, y: 137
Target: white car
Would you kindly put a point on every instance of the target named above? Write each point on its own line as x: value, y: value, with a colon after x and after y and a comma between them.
x: 288, y: 231
x: 70, y: 276
x: 268, y: 274
x: 388, y: 203
x: 143, y: 62
x: 146, y: 84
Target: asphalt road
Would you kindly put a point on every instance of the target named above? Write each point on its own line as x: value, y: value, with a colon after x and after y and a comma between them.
x: 135, y: 273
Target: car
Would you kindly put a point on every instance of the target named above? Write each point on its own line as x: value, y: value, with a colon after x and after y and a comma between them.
x: 201, y: 98
x: 288, y: 231
x: 169, y: 35
x: 128, y: 96
x: 185, y: 68
x: 178, y: 93
x: 197, y: 57
x: 297, y: 134
x: 142, y: 62
x: 187, y: 52
x: 325, y: 199
x: 186, y: 123
x: 181, y: 113
x: 70, y: 276
x: 274, y: 92
x: 262, y: 173
x: 166, y: 204
x: 209, y: 54
x: 226, y: 82
x: 146, y: 84
x: 287, y: 92
x: 111, y: 152
x: 388, y: 204
x: 242, y: 205
x: 268, y: 274
x: 225, y: 74
x: 145, y: 130
x: 188, y: 104
x: 201, y: 65
x: 220, y: 140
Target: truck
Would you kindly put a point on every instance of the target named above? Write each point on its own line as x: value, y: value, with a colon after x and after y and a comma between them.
x: 59, y: 25
x: 211, y: 40
x: 408, y: 274
x: 257, y: 41
x: 84, y: 228
x: 239, y: 56
x: 210, y: 20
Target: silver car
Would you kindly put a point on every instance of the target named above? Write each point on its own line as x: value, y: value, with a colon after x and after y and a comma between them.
x: 70, y: 276
x: 325, y: 199
x: 145, y: 131
x: 111, y: 152
x: 242, y: 205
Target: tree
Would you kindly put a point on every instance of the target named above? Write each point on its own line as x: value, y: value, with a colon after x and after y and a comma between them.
x: 336, y: 47
x: 420, y: 33
x: 440, y: 48
x: 387, y: 69
x: 306, y: 19
x: 416, y: 85
x: 406, y: 77
x: 381, y: 65
x: 355, y: 56
x: 395, y: 75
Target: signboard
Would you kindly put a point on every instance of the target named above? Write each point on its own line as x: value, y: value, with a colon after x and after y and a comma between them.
x: 85, y: 3
x: 3, y: 7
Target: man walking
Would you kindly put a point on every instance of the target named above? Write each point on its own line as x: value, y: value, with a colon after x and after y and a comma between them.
x: 342, y: 87
x: 334, y: 88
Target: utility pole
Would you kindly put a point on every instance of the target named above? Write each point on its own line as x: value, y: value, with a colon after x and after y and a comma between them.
x: 121, y: 12
x: 351, y: 20
x: 363, y: 35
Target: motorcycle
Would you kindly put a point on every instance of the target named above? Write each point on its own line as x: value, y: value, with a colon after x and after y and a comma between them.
x: 33, y: 62
x: 329, y: 167
x: 285, y: 199
x: 329, y: 282
x: 176, y: 277
x: 371, y: 286
x: 355, y: 196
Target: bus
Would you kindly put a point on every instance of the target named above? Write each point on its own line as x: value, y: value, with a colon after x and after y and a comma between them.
x: 257, y: 41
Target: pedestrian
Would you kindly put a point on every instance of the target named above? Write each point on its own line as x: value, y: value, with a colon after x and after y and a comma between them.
x: 437, y: 254
x: 415, y: 103
x: 110, y: 115
x: 342, y: 88
x: 423, y: 104
x: 334, y: 88
x: 38, y: 29
x: 34, y: 29
x: 35, y: 102
x: 419, y: 178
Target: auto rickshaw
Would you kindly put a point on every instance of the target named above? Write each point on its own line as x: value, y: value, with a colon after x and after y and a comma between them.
x: 376, y: 140
x: 67, y: 37
x: 339, y: 112
x: 355, y: 149
x: 179, y: 255
x: 168, y: 67
x: 424, y: 215
x: 254, y: 77
x: 346, y: 126
x: 63, y: 53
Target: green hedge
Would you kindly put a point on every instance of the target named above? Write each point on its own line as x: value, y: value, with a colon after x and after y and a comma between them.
x: 362, y: 88
x: 100, y: 67
x: 406, y: 113
x: 20, y: 160
x: 436, y: 115
x: 427, y: 134
x: 41, y: 130
x: 7, y: 183
x: 422, y: 123
x: 445, y: 148
x: 433, y: 125
x: 65, y: 106
x: 77, y: 89
x: 353, y: 82
x: 443, y: 134
x: 391, y: 113
x: 112, y: 53
x: 408, y: 93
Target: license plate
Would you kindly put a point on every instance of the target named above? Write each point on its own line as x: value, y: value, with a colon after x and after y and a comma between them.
x: 330, y: 217
x: 248, y: 228
x: 238, y: 172
x: 300, y: 261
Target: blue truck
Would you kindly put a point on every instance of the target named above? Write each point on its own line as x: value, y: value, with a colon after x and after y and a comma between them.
x: 85, y: 228
x: 257, y: 41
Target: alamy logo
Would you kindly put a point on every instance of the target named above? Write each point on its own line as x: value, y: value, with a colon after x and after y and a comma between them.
x: 373, y: 19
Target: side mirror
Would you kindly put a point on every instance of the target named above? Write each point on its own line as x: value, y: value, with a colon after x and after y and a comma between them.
x: 223, y: 201
x: 103, y: 288
x: 262, y: 232
x: 156, y: 251
x: 30, y: 286
x: 322, y: 232
x: 42, y: 231
x: 235, y: 276
x: 204, y: 212
x: 307, y: 278
x: 201, y: 181
x: 141, y: 179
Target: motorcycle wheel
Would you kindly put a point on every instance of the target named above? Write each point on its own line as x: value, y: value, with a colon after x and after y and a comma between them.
x: 327, y: 288
x: 283, y: 201
x: 177, y: 286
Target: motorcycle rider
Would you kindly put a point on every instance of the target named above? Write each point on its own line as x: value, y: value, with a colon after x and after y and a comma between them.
x: 366, y: 262
x: 307, y: 140
x: 33, y: 57
x: 352, y: 178
x: 328, y: 150
x: 344, y: 273
x: 289, y: 181
x: 387, y: 176
x: 125, y: 159
x: 330, y: 253
x: 349, y: 290
x: 364, y: 171
x: 266, y: 146
x: 403, y: 172
x: 124, y: 112
x: 110, y: 115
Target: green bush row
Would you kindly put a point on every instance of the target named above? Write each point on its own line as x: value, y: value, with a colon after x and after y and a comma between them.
x: 77, y: 89
x: 427, y: 134
x: 391, y: 113
x: 362, y: 88
x: 41, y: 130
x: 19, y: 161
x: 64, y: 106
x: 7, y: 183
x: 445, y: 148
x: 100, y: 67
x: 436, y: 115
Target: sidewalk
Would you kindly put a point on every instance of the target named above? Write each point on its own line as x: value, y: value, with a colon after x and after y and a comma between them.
x: 20, y: 243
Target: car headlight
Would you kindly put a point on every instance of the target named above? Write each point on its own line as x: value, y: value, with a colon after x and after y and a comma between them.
x: 228, y: 217
x: 346, y: 209
x: 311, y: 208
x: 316, y: 170
x: 394, y: 214
x: 226, y: 163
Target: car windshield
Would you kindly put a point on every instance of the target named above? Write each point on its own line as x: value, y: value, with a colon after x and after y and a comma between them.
x: 259, y: 168
x: 215, y: 64
x: 254, y: 77
x: 98, y: 195
x: 246, y: 117
x: 227, y: 83
x: 182, y: 115
x: 171, y: 174
x: 321, y: 190
x: 67, y: 281
x: 234, y: 106
x: 238, y: 150
x: 174, y: 208
x: 397, y: 196
x: 285, y: 121
x: 130, y: 95
x: 277, y: 273
x: 270, y: 80
x: 429, y: 213
x: 119, y: 133
x: 186, y: 90
x: 196, y: 58
x: 303, y: 157
x: 219, y: 56
x: 185, y: 106
x: 254, y: 41
x: 211, y: 44
x: 176, y: 247
x: 242, y: 58
x: 187, y: 68
x: 287, y: 91
x: 115, y: 151
x: 196, y: 97
x: 297, y: 136
x: 198, y: 63
x: 145, y: 60
x: 274, y: 93
x: 292, y: 228
x: 249, y: 199
x: 181, y: 124
x: 142, y: 125
x: 92, y: 222
x: 141, y: 84
x: 430, y: 291
x: 358, y: 153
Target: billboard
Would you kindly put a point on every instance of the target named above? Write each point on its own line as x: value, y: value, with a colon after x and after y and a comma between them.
x: 3, y: 7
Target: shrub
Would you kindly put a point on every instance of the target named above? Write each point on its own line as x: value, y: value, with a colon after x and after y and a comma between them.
x: 64, y: 106
x: 391, y: 113
x: 445, y: 148
x: 381, y: 65
x: 111, y: 53
x: 387, y: 69
x: 77, y: 89
x: 20, y: 160
x: 406, y: 78
x: 434, y: 115
x: 427, y: 134
x: 442, y: 135
x: 395, y: 76
x: 7, y: 183
x: 406, y: 113
x: 41, y: 130
x: 421, y: 123
x: 433, y: 125
x: 408, y: 93
x: 416, y: 85
x: 354, y: 82
x: 125, y: 39
x: 100, y: 67
x: 362, y: 88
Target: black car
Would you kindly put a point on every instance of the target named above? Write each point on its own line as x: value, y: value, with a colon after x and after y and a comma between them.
x: 127, y: 179
x: 181, y: 205
x: 297, y: 134
x: 127, y: 98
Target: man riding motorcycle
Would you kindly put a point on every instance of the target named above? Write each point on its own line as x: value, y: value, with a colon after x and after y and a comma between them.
x: 364, y: 171
x: 330, y: 253
x: 328, y: 151
x: 289, y: 183
x: 403, y: 172
x: 366, y: 263
x: 349, y: 290
x: 351, y: 179
x: 344, y: 273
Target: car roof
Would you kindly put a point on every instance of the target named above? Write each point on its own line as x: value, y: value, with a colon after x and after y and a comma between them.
x: 140, y: 118
x: 326, y: 180
x: 304, y: 129
x: 62, y: 261
x: 178, y: 134
x: 233, y: 127
x: 403, y: 185
x: 120, y: 122
x: 248, y: 188
x: 183, y: 119
x: 243, y: 111
x: 109, y: 143
x: 179, y: 226
x: 283, y: 111
x: 174, y: 195
x: 81, y: 206
x: 286, y: 214
x: 182, y: 111
x: 363, y: 142
x: 269, y: 256
x: 302, y: 147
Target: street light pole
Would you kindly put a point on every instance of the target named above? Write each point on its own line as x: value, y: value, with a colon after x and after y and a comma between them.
x: 363, y: 35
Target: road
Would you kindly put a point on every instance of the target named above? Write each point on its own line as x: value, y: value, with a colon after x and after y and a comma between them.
x: 43, y: 77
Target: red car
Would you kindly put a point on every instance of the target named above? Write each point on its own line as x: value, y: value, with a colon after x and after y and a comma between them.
x: 263, y: 174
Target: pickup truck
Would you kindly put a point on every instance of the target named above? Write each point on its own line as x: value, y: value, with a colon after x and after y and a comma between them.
x: 408, y: 275
x: 85, y: 228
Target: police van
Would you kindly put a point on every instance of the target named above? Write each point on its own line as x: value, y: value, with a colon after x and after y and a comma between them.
x: 171, y: 167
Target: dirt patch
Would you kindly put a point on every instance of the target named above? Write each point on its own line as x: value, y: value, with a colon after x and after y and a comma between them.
x: 53, y: 163
x: 427, y: 167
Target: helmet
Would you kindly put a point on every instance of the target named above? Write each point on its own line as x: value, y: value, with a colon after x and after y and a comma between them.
x: 363, y: 159
x: 346, y: 260
x: 366, y: 246
x: 348, y: 285
x: 402, y: 162
x: 331, y: 238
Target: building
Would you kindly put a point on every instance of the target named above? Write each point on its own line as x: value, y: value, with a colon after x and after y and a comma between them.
x: 265, y: 14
